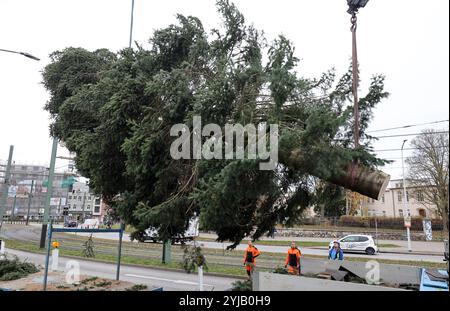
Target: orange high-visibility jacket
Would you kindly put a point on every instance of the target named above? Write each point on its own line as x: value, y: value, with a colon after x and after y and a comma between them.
x: 293, y: 257
x: 250, y: 254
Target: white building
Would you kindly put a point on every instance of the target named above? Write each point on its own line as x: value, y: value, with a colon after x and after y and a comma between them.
x: 83, y: 204
x: 392, y: 202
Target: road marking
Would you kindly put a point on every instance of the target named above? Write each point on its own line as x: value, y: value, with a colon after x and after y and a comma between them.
x: 187, y: 282
x: 165, y: 280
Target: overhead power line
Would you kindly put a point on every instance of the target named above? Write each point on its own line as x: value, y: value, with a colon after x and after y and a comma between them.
x: 407, y: 126
x: 398, y: 158
x: 412, y: 134
x: 20, y: 172
x: 397, y: 135
x: 382, y: 150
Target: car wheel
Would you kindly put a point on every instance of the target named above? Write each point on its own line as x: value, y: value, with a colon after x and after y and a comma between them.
x: 370, y: 251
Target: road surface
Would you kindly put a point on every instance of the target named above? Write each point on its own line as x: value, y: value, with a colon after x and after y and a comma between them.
x: 31, y: 233
x: 305, y: 250
x: 169, y: 280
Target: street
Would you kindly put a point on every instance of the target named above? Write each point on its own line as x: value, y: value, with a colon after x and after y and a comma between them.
x: 317, y: 251
x: 324, y: 252
x: 225, y: 145
x: 428, y: 251
x: 169, y: 280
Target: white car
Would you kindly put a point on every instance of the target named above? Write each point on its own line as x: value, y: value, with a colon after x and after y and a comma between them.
x: 90, y: 224
x: 151, y: 234
x: 357, y: 243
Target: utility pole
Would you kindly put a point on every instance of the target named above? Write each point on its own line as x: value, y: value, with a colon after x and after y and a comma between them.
x: 13, y: 208
x: 346, y: 203
x: 6, y: 185
x: 51, y: 175
x: 30, y: 195
x: 59, y: 206
x: 84, y: 201
x: 405, y: 203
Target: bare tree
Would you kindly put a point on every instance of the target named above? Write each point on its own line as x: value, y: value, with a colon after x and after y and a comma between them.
x: 429, y: 171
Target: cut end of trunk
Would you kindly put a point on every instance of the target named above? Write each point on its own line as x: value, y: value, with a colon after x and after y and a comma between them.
x: 366, y: 181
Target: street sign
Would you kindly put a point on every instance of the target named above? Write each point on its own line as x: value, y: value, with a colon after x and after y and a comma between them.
x: 407, y: 221
x: 68, y: 182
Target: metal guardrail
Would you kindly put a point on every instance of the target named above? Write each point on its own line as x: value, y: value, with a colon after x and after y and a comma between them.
x: 88, y: 230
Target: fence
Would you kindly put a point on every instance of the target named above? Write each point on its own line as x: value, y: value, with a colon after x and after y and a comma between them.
x: 387, y: 222
x: 369, y: 222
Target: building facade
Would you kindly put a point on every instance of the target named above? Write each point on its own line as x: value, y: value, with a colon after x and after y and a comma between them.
x: 392, y: 202
x: 82, y: 204
x: 27, y: 191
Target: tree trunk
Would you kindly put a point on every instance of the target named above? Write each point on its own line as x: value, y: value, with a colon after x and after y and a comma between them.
x: 361, y: 179
x: 358, y: 178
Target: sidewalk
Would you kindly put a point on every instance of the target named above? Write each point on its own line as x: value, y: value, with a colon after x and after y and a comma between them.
x: 418, y: 247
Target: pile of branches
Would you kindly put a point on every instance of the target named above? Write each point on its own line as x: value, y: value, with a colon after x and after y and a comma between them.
x: 13, y: 269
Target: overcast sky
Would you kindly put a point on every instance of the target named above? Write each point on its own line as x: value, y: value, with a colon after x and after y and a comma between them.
x: 407, y: 40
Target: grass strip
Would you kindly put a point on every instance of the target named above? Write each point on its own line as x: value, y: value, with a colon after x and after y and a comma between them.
x: 230, y: 268
x: 287, y: 243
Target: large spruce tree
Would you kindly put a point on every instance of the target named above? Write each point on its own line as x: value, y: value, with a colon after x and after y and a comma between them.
x: 115, y: 111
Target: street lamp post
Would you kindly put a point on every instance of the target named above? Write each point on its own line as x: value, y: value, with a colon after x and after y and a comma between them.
x: 4, y: 198
x: 131, y: 23
x: 4, y: 195
x: 405, y: 203
x: 376, y: 228
x: 21, y: 53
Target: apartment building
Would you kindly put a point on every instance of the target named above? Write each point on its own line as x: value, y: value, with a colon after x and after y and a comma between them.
x: 83, y: 204
x: 31, y: 178
x: 392, y: 202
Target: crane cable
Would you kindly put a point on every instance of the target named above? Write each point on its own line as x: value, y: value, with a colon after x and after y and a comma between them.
x: 354, y: 165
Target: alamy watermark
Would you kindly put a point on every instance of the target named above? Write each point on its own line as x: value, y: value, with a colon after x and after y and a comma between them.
x: 238, y: 142
x: 373, y: 275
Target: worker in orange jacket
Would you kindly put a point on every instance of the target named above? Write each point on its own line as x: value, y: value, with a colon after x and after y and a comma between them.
x: 250, y: 258
x: 293, y: 259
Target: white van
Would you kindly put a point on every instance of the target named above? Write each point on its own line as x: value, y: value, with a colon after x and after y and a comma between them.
x: 90, y: 224
x: 151, y: 234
